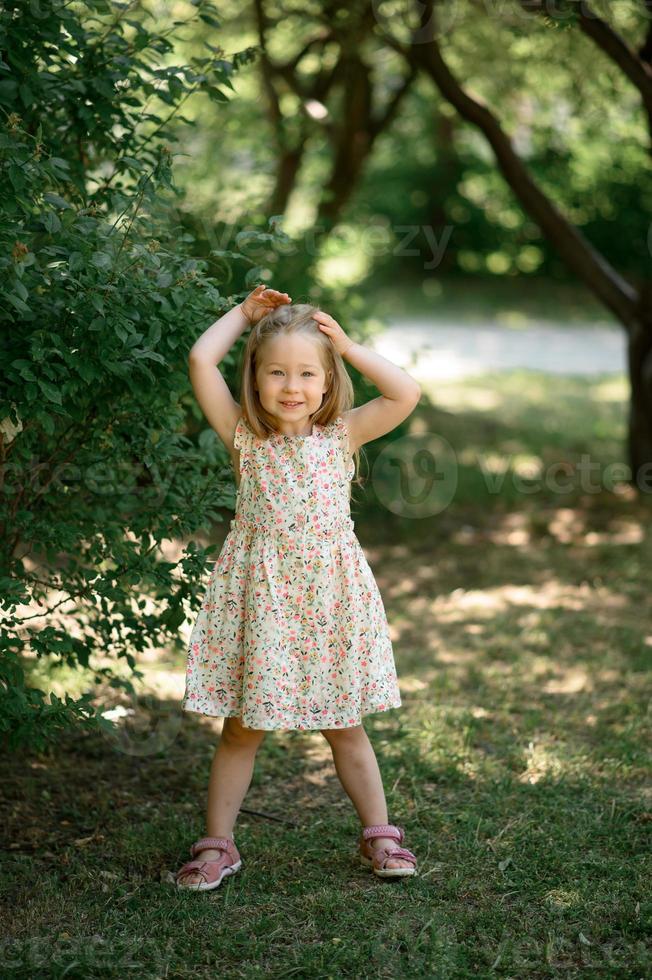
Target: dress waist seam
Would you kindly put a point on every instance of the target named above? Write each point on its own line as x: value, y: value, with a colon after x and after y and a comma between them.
x: 298, y: 529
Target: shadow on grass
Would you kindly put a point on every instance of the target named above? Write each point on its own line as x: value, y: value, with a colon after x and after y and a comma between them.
x: 517, y: 764
x: 531, y: 843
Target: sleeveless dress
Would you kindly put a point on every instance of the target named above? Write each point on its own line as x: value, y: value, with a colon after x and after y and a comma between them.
x: 292, y: 631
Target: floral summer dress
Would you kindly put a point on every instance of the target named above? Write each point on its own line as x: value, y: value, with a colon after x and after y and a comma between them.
x: 292, y: 631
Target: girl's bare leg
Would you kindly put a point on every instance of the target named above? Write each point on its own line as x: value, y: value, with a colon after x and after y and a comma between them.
x: 231, y: 772
x: 357, y: 767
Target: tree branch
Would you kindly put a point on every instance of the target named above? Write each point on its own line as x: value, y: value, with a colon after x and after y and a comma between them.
x: 614, y: 290
x: 386, y: 117
x: 611, y: 43
x: 645, y: 51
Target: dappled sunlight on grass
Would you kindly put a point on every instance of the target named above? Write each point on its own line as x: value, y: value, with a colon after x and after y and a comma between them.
x: 521, y: 441
x: 411, y: 684
x: 562, y: 898
x: 535, y: 408
x: 519, y: 642
x: 570, y: 525
x: 541, y: 760
x: 468, y: 395
x: 572, y: 680
x: 614, y: 389
x: 517, y: 763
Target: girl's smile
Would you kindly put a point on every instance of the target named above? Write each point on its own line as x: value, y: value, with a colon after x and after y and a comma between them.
x: 291, y: 362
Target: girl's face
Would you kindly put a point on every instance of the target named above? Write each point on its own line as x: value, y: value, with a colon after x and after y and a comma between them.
x: 290, y: 380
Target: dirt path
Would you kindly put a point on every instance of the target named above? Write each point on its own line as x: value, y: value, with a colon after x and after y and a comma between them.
x: 443, y: 350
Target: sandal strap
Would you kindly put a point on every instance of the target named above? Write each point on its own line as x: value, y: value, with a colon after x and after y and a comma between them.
x: 192, y: 867
x: 215, y: 843
x: 383, y: 830
x: 395, y: 852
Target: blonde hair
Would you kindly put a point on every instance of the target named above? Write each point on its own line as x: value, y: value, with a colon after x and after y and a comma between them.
x: 295, y: 318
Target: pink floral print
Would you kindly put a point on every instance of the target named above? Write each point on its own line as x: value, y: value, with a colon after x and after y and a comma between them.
x: 292, y: 631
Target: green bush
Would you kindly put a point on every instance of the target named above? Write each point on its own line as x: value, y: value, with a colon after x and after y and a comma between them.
x: 100, y: 299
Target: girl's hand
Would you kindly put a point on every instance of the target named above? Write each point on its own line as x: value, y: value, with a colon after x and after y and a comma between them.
x: 331, y: 327
x: 259, y: 303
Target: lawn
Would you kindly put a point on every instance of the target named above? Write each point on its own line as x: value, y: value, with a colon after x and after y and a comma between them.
x: 518, y: 763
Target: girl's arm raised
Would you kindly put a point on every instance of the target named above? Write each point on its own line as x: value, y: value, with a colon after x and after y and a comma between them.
x: 219, y: 338
x: 400, y: 392
x: 211, y: 390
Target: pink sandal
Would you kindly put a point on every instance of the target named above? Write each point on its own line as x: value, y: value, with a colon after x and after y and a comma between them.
x: 377, y: 857
x: 211, y: 871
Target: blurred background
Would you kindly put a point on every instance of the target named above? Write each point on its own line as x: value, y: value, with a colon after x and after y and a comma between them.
x: 465, y: 187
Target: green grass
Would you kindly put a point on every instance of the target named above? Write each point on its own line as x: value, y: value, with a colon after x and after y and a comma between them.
x: 509, y: 300
x: 518, y: 763
x: 521, y: 442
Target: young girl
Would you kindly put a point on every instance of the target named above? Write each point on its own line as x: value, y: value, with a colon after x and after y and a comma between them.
x: 292, y: 632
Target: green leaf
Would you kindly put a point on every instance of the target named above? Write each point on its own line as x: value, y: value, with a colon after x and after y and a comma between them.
x: 86, y: 370
x: 47, y: 422
x: 20, y: 289
x: 24, y: 369
x: 57, y: 200
x: 26, y: 95
x: 51, y: 222
x: 51, y: 393
x: 174, y: 617
x: 17, y: 303
x: 58, y: 164
x: 175, y: 87
x: 151, y: 354
x: 8, y: 91
x: 216, y: 94
x: 101, y: 260
x: 17, y: 177
x: 117, y: 367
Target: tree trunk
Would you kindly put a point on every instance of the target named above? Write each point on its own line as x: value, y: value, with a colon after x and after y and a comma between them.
x: 287, y: 170
x: 352, y: 140
x: 631, y: 304
x: 448, y: 170
x: 639, y: 359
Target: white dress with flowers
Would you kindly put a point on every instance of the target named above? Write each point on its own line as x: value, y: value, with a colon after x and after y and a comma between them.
x: 292, y: 631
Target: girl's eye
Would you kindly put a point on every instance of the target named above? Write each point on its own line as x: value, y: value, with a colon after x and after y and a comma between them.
x: 277, y: 370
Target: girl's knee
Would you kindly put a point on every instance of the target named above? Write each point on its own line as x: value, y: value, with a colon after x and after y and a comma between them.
x: 234, y: 731
x: 342, y: 734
